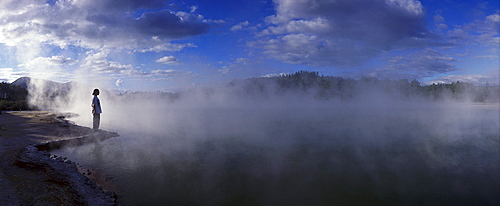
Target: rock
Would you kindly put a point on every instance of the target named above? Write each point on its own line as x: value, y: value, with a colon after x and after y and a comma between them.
x: 65, y: 173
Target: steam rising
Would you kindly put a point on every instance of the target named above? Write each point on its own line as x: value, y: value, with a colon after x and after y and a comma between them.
x: 247, y: 142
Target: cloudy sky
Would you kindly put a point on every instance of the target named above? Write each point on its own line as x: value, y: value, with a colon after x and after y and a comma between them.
x: 173, y: 44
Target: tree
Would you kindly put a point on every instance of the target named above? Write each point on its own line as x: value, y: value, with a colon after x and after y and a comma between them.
x: 13, y: 97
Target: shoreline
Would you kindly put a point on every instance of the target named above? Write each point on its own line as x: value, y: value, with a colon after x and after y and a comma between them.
x: 30, y: 175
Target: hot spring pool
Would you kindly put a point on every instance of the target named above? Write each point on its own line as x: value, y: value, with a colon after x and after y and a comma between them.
x: 307, y: 156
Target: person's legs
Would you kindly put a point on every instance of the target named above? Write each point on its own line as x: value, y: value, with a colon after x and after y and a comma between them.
x: 97, y: 120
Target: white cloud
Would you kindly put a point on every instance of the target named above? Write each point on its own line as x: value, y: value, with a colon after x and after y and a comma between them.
x: 168, y: 60
x: 94, y: 24
x: 60, y: 60
x: 238, y: 64
x: 48, y: 67
x: 316, y: 25
x: 342, y: 33
x: 193, y: 9
x: 166, y: 47
x: 489, y: 31
x: 119, y: 82
x: 313, y: 50
x: 488, y: 57
x: 274, y: 75
x: 10, y: 75
x: 87, y: 28
x: 98, y: 63
x: 438, y: 18
x: 43, y: 62
x: 425, y: 63
x: 484, y: 31
x: 241, y: 60
x: 409, y: 6
x: 162, y: 72
x: 474, y: 79
x: 493, y: 18
x: 239, y: 26
x: 224, y: 70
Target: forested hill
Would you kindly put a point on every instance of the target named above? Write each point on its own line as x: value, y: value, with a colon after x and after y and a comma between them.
x: 13, y: 97
x: 326, y: 87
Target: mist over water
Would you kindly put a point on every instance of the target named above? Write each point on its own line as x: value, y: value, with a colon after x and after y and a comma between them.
x: 219, y: 146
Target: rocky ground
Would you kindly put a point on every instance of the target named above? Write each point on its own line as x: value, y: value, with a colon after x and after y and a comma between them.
x: 29, y: 175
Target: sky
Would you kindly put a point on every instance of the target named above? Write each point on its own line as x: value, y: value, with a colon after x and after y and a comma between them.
x: 170, y: 45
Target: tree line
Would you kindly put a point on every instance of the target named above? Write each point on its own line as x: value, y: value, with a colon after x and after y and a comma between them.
x: 345, y: 88
x: 13, y: 97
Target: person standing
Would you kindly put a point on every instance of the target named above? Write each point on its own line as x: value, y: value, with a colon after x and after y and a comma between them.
x: 96, y: 110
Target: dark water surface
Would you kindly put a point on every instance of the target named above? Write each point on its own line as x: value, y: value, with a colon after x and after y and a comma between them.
x: 436, y: 154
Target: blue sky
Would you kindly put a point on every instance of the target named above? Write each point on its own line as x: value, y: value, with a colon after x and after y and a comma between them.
x: 179, y: 44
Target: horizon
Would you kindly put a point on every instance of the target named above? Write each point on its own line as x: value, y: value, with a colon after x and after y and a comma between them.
x: 178, y: 44
x: 274, y: 76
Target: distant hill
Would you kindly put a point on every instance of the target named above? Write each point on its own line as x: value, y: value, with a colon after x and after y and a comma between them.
x: 326, y: 87
x: 44, y: 94
x: 22, y: 82
x: 13, y: 97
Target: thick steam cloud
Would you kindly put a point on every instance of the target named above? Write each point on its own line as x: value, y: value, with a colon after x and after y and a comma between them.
x: 288, y: 140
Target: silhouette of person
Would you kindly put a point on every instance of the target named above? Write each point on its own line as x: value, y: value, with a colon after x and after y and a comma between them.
x: 96, y: 110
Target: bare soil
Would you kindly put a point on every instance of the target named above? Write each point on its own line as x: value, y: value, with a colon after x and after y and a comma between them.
x: 42, y: 180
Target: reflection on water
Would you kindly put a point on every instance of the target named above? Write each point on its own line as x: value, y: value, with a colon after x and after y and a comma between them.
x: 308, y: 157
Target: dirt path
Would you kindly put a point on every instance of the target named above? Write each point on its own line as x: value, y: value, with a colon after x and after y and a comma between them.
x: 33, y: 186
